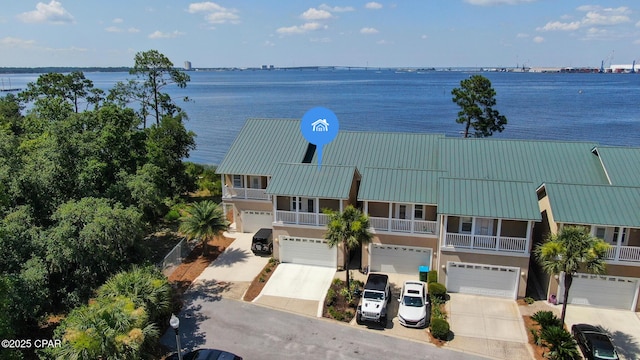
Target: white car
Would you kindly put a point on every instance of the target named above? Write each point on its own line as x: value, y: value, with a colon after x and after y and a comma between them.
x: 414, y: 304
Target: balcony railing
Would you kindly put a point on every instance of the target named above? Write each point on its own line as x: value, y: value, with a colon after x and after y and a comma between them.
x: 485, y: 242
x: 403, y: 225
x: 301, y: 218
x: 623, y: 253
x: 245, y: 193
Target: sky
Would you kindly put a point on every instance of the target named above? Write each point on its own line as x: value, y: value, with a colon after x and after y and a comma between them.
x: 251, y: 33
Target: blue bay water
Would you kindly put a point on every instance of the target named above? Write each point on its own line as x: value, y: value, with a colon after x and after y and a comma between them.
x: 602, y: 108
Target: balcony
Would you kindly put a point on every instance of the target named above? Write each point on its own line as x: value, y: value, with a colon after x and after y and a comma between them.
x: 301, y: 218
x: 623, y: 253
x: 485, y: 242
x: 403, y: 225
x: 245, y: 193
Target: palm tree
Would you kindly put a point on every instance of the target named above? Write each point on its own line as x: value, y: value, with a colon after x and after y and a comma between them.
x: 349, y: 228
x: 570, y: 250
x: 204, y: 220
x: 560, y: 343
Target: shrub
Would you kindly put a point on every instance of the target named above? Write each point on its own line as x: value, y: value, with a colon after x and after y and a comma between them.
x: 529, y: 300
x: 337, y: 282
x: 338, y: 315
x: 267, y: 270
x: 432, y: 276
x: 436, y: 308
x: 437, y: 290
x: 439, y: 329
x: 172, y: 215
x: 546, y: 319
x: 331, y: 297
x: 560, y: 343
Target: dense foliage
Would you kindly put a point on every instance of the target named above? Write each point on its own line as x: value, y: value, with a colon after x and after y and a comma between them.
x: 81, y: 178
x: 476, y: 99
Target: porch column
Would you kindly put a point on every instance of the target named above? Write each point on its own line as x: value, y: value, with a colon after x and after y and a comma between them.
x: 413, y: 216
x: 443, y: 232
x: 528, y: 240
x: 498, y: 231
x: 297, y: 204
x: 244, y: 185
x: 473, y: 231
x: 366, y: 207
x: 341, y: 206
x: 389, y: 219
x: 618, y: 241
x: 275, y: 208
x: 317, y: 210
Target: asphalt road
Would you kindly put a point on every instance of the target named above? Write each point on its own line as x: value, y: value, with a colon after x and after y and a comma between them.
x: 256, y: 332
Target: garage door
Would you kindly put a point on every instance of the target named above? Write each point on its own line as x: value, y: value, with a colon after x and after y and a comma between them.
x: 398, y: 259
x: 606, y: 291
x: 253, y: 221
x: 307, y: 251
x: 480, y: 279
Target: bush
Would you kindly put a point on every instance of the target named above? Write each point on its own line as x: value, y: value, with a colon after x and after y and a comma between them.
x: 172, y: 215
x: 331, y: 297
x: 437, y: 290
x: 529, y: 300
x: 546, y: 319
x: 560, y: 343
x: 436, y: 308
x: 432, y: 276
x: 439, y: 329
x: 337, y: 282
x: 338, y: 315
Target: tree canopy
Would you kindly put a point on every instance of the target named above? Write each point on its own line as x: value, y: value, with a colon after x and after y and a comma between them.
x: 476, y: 99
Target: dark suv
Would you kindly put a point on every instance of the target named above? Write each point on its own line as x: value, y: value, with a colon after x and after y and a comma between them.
x: 262, y: 243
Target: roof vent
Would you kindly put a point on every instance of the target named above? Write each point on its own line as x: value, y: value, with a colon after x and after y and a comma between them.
x: 308, y: 156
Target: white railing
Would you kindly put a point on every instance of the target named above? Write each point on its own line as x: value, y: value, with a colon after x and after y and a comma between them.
x: 403, y: 225
x: 301, y: 218
x: 245, y: 193
x: 485, y: 242
x: 623, y: 253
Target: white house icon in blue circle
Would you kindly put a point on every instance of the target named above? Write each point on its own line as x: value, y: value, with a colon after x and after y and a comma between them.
x: 320, y: 125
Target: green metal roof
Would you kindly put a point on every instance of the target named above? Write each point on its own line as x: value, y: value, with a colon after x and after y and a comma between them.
x: 382, y: 150
x: 621, y: 164
x: 261, y: 144
x: 594, y: 204
x: 333, y: 182
x: 521, y: 160
x: 400, y: 185
x: 488, y: 198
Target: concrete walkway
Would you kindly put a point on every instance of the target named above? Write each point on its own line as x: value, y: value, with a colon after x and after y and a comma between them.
x: 487, y: 326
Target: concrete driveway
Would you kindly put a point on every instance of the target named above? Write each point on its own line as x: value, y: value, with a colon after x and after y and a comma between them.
x: 297, y: 288
x: 623, y: 326
x: 236, y: 265
x: 487, y: 326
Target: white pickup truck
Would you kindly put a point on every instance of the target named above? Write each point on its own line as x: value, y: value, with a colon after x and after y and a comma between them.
x: 374, y: 301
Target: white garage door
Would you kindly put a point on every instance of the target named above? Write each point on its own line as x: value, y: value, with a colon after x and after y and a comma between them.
x: 253, y: 221
x: 307, y: 251
x: 398, y: 259
x: 479, y: 279
x: 606, y: 291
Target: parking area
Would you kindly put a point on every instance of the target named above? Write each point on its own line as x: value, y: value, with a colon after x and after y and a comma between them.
x: 487, y: 326
x: 297, y: 288
x: 623, y: 326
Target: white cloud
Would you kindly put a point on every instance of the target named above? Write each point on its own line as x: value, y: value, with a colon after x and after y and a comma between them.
x: 373, y: 5
x: 16, y: 42
x: 497, y: 2
x: 118, y: 21
x: 368, y: 31
x: 538, y: 39
x: 315, y: 14
x: 133, y: 30
x: 557, y: 25
x: 300, y: 29
x: 383, y: 42
x: 52, y: 13
x: 268, y: 43
x: 321, y: 40
x: 336, y: 8
x: 161, y: 35
x: 114, y: 29
x: 607, y: 16
x: 215, y: 14
x: 424, y: 36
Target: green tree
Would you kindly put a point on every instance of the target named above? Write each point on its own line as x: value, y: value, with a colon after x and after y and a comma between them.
x: 155, y: 71
x: 203, y: 221
x: 72, y: 88
x: 349, y: 228
x: 476, y: 99
x: 568, y: 251
x: 146, y: 286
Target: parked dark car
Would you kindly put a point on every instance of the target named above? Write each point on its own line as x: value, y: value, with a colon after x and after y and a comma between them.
x: 262, y: 242
x: 594, y: 343
x: 206, y: 354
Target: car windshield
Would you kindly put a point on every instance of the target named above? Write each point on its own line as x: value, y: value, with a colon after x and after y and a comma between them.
x: 373, y: 295
x: 415, y: 301
x: 605, y: 353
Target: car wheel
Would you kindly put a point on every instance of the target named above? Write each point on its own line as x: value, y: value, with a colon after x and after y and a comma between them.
x: 383, y: 321
x: 358, y: 319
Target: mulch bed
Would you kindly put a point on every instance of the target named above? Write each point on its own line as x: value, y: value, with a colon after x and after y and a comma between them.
x: 530, y: 324
x: 340, y: 303
x: 260, y: 281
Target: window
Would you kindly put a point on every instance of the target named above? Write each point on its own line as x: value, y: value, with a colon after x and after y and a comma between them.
x: 616, y: 231
x: 310, y: 207
x: 484, y: 227
x: 256, y: 182
x: 465, y: 225
x: 296, y: 203
x: 402, y: 211
x: 237, y: 181
x: 418, y: 212
x: 600, y: 232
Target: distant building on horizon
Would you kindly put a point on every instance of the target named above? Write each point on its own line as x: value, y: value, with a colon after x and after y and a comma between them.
x: 187, y: 65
